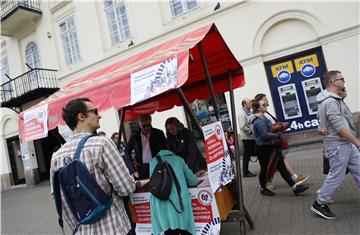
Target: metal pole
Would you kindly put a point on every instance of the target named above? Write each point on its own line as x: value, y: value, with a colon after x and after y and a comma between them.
x: 208, y: 80
x: 190, y: 111
x: 121, y: 127
x: 237, y: 158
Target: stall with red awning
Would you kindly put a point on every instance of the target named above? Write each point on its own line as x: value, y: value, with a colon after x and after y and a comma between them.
x: 145, y: 82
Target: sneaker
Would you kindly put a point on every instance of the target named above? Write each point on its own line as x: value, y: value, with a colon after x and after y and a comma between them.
x: 266, y: 192
x: 269, y: 186
x: 301, y: 179
x: 300, y: 188
x: 249, y: 174
x: 323, y: 210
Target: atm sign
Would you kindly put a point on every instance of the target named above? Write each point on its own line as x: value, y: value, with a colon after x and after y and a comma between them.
x: 310, y: 59
x: 276, y: 69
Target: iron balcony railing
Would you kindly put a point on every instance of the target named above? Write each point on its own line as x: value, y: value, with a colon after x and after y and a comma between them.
x: 8, y: 6
x: 34, y: 79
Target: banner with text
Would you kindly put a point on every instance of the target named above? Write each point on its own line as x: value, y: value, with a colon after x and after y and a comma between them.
x: 205, y: 211
x: 35, y: 123
x: 217, y: 156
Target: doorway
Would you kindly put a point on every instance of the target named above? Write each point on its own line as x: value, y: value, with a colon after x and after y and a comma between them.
x: 17, y: 167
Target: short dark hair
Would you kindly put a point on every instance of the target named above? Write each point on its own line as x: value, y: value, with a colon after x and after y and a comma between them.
x: 114, y: 134
x: 144, y: 117
x: 259, y: 96
x: 243, y: 102
x: 72, y: 109
x: 329, y: 76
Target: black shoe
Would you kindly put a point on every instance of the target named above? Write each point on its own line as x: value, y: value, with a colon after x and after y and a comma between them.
x: 249, y: 174
x: 300, y: 188
x: 323, y: 210
x: 266, y: 192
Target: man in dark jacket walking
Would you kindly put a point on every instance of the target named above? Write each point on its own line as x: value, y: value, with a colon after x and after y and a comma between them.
x: 146, y: 142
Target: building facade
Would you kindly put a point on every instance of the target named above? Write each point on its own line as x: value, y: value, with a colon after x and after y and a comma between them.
x: 284, y: 47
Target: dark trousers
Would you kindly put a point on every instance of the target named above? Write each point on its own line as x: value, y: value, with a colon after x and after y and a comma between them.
x: 176, y: 232
x: 249, y: 150
x: 263, y: 153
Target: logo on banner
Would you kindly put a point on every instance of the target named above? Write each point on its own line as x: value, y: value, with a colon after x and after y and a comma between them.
x: 218, y: 132
x: 283, y: 76
x: 308, y: 70
x: 205, y: 197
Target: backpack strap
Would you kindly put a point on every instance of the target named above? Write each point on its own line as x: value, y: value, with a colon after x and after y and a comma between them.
x: 178, y: 189
x: 80, y: 146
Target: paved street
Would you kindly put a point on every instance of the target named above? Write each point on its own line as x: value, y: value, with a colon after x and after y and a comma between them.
x: 31, y: 211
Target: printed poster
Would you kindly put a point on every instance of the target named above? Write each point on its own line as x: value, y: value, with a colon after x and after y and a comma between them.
x: 205, y: 211
x: 217, y: 156
x: 35, y: 123
x: 154, y: 80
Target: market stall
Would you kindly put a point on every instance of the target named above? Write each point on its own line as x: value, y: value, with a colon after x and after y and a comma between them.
x: 196, y: 65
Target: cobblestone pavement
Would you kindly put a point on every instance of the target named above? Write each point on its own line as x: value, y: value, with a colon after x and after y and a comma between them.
x: 30, y: 210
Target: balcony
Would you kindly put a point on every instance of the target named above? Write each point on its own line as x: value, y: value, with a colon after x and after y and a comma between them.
x: 18, y: 15
x: 27, y: 87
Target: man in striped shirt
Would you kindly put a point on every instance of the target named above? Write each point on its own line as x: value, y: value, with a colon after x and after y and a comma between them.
x: 102, y: 159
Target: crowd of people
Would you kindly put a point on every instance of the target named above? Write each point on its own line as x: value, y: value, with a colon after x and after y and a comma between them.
x: 262, y: 135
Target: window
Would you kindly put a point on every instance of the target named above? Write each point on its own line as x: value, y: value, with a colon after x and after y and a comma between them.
x: 32, y: 55
x: 179, y: 7
x: 117, y: 20
x: 70, y: 41
x: 5, y: 69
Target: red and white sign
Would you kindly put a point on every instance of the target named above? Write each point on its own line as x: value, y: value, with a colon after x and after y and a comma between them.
x: 35, y: 124
x: 205, y: 211
x: 217, y: 156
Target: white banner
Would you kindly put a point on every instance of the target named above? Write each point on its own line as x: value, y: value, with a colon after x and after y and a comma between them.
x: 205, y: 211
x: 217, y: 156
x: 35, y: 123
x: 154, y: 80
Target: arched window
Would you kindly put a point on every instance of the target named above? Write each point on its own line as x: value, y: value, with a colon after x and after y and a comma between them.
x: 32, y: 55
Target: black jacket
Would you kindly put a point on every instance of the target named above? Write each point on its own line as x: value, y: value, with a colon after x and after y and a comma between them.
x: 184, y: 145
x: 157, y: 142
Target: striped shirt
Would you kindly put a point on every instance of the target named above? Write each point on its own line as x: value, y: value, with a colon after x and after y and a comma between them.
x: 102, y: 159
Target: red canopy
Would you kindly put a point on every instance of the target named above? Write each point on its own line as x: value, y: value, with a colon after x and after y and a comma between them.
x: 112, y: 85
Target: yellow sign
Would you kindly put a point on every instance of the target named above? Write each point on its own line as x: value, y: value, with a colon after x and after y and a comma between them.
x: 275, y: 69
x: 310, y: 59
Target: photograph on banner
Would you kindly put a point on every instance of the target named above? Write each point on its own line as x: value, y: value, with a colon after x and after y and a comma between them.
x: 205, y: 211
x: 35, y: 123
x: 154, y: 80
x: 217, y: 156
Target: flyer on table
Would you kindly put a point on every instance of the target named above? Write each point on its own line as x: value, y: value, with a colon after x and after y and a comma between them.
x: 217, y: 156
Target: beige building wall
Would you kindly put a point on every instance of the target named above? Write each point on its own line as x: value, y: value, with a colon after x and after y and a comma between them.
x: 255, y: 31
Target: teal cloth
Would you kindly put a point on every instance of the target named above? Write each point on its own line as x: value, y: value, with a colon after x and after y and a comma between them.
x: 163, y: 214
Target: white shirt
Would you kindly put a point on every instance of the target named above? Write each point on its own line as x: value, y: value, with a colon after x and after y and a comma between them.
x: 146, y: 151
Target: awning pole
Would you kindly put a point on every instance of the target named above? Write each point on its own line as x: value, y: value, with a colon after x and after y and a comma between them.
x: 121, y: 113
x: 243, y: 212
x: 208, y: 80
x: 190, y: 111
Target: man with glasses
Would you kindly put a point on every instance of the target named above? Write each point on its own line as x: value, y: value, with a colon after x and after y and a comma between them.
x: 340, y: 142
x: 103, y: 161
x: 146, y: 143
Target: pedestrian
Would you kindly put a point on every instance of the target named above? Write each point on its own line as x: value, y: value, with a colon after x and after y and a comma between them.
x: 340, y: 142
x: 298, y: 179
x: 246, y: 135
x: 264, y: 148
x: 146, y: 143
x: 166, y: 215
x: 102, y: 160
x: 182, y: 142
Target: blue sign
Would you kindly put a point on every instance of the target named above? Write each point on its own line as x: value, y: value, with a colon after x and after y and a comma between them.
x: 308, y: 70
x: 283, y: 76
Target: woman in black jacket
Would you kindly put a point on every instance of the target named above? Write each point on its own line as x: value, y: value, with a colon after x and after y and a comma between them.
x: 181, y: 141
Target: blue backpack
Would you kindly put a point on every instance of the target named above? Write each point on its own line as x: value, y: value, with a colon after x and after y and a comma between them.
x: 85, y: 198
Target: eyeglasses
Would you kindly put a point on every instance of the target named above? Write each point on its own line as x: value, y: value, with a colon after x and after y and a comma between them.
x: 146, y: 125
x: 342, y: 79
x: 94, y: 110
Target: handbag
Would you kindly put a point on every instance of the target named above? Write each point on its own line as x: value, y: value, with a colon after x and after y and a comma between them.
x: 247, y: 129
